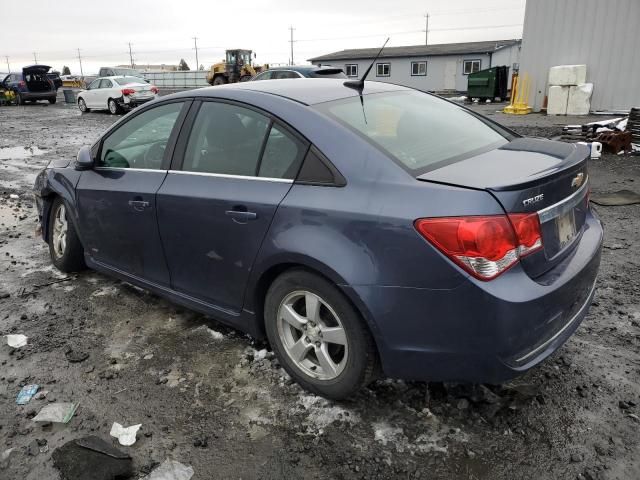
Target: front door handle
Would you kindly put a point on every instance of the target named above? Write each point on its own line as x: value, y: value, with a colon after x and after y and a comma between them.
x: 138, y: 205
x: 241, y: 216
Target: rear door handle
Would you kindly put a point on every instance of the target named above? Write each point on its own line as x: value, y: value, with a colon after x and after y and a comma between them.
x: 138, y: 205
x: 241, y: 216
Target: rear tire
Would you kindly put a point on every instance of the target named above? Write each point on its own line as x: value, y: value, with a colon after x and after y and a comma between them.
x: 19, y: 99
x: 318, y: 336
x: 52, y: 100
x: 113, y: 106
x: 65, y: 248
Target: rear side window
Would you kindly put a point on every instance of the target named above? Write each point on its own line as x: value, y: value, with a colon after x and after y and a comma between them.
x: 282, y: 155
x: 420, y: 131
x: 225, y: 139
x: 284, y: 74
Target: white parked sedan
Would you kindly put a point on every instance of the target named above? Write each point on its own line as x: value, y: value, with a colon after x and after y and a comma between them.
x: 115, y: 94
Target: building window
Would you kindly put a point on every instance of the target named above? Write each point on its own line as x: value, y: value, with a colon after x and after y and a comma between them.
x: 471, y: 66
x: 418, y: 69
x: 383, y: 69
x: 351, y: 70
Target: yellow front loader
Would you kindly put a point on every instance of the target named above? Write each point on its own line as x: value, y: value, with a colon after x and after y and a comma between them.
x: 237, y: 67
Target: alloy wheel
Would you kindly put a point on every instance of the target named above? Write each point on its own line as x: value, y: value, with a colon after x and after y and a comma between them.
x: 60, y: 227
x: 312, y: 335
x: 82, y: 105
x: 113, y: 107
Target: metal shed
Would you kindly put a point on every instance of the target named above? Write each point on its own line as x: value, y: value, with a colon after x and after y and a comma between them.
x: 605, y: 36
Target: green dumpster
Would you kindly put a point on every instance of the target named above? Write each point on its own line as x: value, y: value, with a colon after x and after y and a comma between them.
x: 488, y: 84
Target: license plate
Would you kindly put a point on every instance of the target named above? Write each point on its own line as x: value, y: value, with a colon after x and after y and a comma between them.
x: 566, y: 225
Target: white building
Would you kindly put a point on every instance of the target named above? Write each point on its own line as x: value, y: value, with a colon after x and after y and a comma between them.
x: 436, y: 68
x: 604, y: 36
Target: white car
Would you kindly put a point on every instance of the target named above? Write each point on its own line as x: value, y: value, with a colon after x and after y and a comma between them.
x: 115, y: 94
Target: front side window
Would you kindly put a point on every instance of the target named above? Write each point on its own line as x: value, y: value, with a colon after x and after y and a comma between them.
x: 284, y: 74
x: 351, y: 70
x: 95, y: 84
x: 418, y: 69
x: 264, y: 76
x: 471, y: 66
x: 225, y: 139
x: 419, y: 131
x: 141, y: 142
x: 383, y: 69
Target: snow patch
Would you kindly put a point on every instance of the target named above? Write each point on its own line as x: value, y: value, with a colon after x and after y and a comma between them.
x: 321, y: 413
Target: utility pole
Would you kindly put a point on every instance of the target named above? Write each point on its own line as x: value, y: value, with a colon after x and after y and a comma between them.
x: 426, y: 30
x: 130, y: 55
x: 80, y: 60
x: 291, y: 29
x: 195, y: 44
x: 35, y: 58
x: 8, y: 67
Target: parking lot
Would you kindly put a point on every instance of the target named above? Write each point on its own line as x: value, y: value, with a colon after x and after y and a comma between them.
x: 214, y: 399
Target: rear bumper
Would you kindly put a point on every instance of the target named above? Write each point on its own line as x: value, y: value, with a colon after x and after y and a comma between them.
x: 38, y: 95
x: 483, y: 331
x: 134, y: 102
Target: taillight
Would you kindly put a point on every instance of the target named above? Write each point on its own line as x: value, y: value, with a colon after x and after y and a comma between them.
x: 154, y: 89
x: 484, y: 246
x: 128, y: 91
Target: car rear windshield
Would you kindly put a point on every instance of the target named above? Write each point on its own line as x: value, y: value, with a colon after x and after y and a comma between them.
x: 419, y: 131
x: 328, y: 73
x: 127, y: 80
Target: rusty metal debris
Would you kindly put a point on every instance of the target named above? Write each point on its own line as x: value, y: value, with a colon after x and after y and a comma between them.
x: 614, y: 142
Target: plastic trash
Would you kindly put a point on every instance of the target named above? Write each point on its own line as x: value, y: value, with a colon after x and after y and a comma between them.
x: 91, y: 457
x: 170, y: 470
x: 17, y: 341
x: 125, y: 435
x: 26, y: 394
x: 56, y: 412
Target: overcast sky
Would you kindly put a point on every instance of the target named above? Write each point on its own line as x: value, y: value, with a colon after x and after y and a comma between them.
x: 161, y: 31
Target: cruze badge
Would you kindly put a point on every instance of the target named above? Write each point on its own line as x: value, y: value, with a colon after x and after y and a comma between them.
x: 532, y: 200
x: 577, y: 180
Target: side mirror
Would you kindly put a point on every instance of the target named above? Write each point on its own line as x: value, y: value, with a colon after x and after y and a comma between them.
x: 84, y: 161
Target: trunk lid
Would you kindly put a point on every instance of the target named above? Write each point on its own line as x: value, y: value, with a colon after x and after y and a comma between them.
x: 36, y: 69
x: 531, y: 175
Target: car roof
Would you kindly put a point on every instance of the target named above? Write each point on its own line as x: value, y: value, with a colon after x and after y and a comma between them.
x: 308, y: 91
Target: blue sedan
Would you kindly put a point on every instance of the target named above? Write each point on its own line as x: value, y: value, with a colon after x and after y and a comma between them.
x: 362, y: 232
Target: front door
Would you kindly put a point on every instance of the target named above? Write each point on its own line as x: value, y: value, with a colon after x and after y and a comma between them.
x: 117, y: 199
x: 234, y: 169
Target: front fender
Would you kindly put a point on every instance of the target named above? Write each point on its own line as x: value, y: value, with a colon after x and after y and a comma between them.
x: 53, y: 182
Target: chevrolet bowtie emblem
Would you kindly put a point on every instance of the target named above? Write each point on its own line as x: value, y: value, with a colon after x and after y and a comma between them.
x: 577, y: 180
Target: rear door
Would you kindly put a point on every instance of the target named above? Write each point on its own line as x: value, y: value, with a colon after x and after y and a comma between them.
x: 117, y: 199
x: 232, y: 167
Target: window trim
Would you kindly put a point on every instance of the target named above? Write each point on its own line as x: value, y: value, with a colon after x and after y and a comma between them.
x: 464, y: 63
x: 346, y: 69
x: 418, y: 62
x: 383, y: 63
x: 171, y: 142
x: 180, y: 149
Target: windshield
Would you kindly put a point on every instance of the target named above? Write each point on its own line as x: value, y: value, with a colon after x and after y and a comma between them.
x: 420, y: 131
x: 126, y: 71
x: 127, y: 80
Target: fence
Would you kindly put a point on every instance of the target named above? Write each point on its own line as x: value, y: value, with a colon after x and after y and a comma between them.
x: 178, y: 80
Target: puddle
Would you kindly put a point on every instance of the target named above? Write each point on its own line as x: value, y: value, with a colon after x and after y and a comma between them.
x: 19, y: 152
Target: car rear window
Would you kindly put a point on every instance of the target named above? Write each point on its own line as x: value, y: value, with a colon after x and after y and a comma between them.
x: 128, y: 80
x: 328, y: 73
x: 419, y: 131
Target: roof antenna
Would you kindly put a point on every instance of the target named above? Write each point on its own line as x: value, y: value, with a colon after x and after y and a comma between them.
x: 359, y: 84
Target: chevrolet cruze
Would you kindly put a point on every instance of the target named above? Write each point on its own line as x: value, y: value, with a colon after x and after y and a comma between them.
x: 363, y: 231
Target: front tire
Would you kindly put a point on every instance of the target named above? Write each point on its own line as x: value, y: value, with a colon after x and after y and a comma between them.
x: 113, y: 107
x: 65, y: 248
x: 82, y: 105
x: 318, y: 336
x: 52, y: 100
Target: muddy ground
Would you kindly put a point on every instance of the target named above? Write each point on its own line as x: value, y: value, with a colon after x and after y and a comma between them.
x: 212, y: 398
